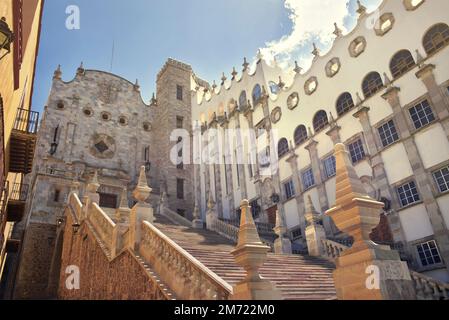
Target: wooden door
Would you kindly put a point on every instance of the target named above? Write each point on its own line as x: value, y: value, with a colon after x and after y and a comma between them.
x: 271, y: 212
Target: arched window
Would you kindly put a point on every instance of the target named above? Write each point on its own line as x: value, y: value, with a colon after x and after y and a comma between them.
x: 436, y: 38
x: 401, y: 63
x: 243, y: 101
x: 372, y: 84
x: 344, y: 103
x: 257, y: 94
x: 282, y: 147
x: 320, y: 121
x: 300, y: 135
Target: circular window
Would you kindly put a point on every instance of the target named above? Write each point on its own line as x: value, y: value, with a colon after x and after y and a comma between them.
x: 60, y: 105
x: 332, y: 67
x: 276, y: 114
x: 311, y: 85
x: 105, y: 116
x: 146, y: 126
x: 123, y: 120
x: 293, y: 101
x: 88, y: 112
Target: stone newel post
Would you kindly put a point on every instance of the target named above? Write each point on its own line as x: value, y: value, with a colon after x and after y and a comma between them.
x: 197, y: 223
x: 251, y: 254
x: 282, y: 245
x: 315, y: 232
x: 366, y: 271
x: 91, y: 194
x: 141, y: 210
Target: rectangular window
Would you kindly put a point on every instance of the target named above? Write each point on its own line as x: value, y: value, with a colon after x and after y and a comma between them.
x: 388, y: 134
x: 296, y: 233
x: 408, y: 194
x: 442, y: 179
x: 180, y: 188
x: 428, y: 253
x: 307, y: 179
x: 330, y: 167
x: 179, y: 122
x: 289, y: 189
x: 421, y: 114
x: 179, y: 92
x: 356, y: 151
x: 57, y: 194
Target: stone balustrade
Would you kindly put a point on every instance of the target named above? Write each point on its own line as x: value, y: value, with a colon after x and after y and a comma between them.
x: 76, y: 205
x: 332, y: 249
x: 226, y: 230
x: 184, y: 274
x: 428, y: 288
x: 175, y: 217
x: 103, y: 225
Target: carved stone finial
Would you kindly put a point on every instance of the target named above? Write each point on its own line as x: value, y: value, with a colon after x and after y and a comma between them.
x: 58, y: 73
x: 311, y: 215
x: 338, y: 32
x: 387, y: 80
x: 361, y: 10
x: 153, y: 101
x: 136, y: 85
x: 214, y: 85
x: 223, y: 79
x: 142, y: 191
x: 197, y: 223
x: 245, y: 64
x: 419, y: 59
x: 210, y: 202
x: 233, y: 73
x: 358, y: 99
x: 316, y: 51
x: 124, y: 199
x: 80, y: 71
x: 297, y: 68
x: 250, y: 253
x: 93, y: 185
x: 281, y: 84
x: 259, y: 55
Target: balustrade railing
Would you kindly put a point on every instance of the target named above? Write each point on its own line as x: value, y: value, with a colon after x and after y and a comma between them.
x: 18, y: 192
x: 27, y: 121
x: 184, y: 274
x: 175, y: 217
x: 227, y: 230
x: 428, y: 288
x: 332, y: 249
x: 102, y: 224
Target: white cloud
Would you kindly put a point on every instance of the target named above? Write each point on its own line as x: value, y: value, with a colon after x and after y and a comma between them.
x: 313, y: 21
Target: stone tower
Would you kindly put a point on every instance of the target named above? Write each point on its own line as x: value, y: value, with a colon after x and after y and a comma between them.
x: 173, y: 111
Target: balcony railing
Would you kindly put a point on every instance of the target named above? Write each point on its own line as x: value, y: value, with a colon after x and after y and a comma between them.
x: 27, y: 121
x: 19, y: 192
x: 4, y: 193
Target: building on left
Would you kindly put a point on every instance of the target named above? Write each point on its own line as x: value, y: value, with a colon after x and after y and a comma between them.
x: 20, y: 29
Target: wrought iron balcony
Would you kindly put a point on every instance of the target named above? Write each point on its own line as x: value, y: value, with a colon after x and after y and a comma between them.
x: 23, y: 141
x: 16, y: 202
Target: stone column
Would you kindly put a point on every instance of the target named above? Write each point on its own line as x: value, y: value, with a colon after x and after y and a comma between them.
x: 240, y: 152
x: 334, y: 131
x: 379, y: 173
x: 441, y: 234
x: 197, y: 223
x: 141, y: 210
x: 216, y: 170
x: 210, y: 215
x: 282, y: 245
x: 293, y: 160
x: 315, y: 233
x: 229, y: 190
x: 250, y: 253
x: 366, y: 271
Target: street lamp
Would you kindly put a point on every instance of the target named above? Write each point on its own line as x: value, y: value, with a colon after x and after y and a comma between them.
x: 6, y: 37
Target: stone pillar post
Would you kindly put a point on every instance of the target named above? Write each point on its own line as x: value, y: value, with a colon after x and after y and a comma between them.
x: 141, y: 210
x: 240, y: 160
x: 229, y: 188
x: 314, y: 231
x: 366, y: 271
x: 197, y: 223
x: 293, y: 160
x: 251, y: 253
x: 441, y: 234
x: 123, y: 212
x: 380, y: 175
x: 210, y: 215
x: 282, y: 245
x: 91, y: 194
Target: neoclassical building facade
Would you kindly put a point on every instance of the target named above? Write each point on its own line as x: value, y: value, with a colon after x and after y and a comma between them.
x: 383, y: 91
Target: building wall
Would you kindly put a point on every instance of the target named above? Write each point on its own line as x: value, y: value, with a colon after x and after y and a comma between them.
x: 413, y: 157
x: 19, y: 96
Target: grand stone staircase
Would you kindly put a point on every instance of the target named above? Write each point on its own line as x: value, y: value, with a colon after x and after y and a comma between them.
x: 298, y: 277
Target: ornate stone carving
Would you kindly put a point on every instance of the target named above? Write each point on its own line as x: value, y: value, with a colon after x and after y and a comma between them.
x: 108, y: 92
x: 102, y: 146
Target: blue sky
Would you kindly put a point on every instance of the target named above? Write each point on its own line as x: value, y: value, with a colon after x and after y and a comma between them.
x: 211, y: 35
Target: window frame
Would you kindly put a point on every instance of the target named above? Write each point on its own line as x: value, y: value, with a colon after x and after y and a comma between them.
x: 179, y: 92
x: 308, y: 171
x: 434, y: 49
x: 398, y: 71
x: 368, y: 87
x: 357, y: 140
x: 346, y: 107
x: 321, y: 125
x: 426, y: 257
x: 414, y: 106
x: 398, y: 193
x: 383, y: 124
x: 325, y: 166
x: 446, y: 182
x: 289, y: 189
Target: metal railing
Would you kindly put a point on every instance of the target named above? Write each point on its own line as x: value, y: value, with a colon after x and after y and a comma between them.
x: 4, y: 193
x: 27, y: 121
x: 19, y: 192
